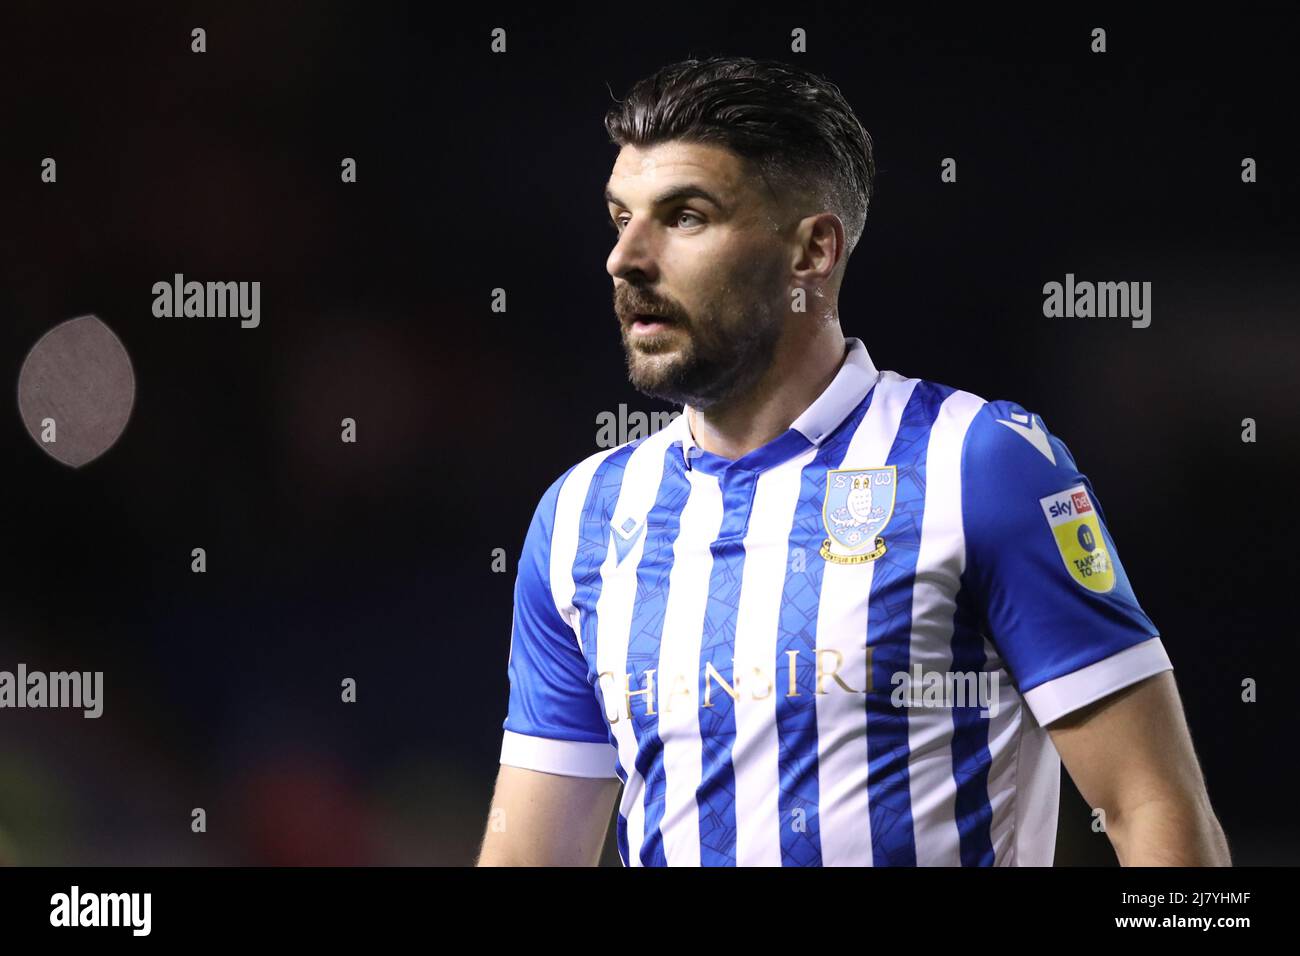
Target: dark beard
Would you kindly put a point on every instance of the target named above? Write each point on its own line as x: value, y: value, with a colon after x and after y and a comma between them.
x: 712, y: 367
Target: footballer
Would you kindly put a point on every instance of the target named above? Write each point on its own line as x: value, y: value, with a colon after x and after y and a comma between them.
x: 830, y: 615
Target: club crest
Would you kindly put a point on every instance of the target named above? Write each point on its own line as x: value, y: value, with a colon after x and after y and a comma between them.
x: 859, y: 503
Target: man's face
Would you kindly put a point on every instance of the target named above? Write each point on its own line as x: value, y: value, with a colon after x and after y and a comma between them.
x: 699, y: 257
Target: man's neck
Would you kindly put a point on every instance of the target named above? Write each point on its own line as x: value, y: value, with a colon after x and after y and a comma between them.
x: 800, y: 371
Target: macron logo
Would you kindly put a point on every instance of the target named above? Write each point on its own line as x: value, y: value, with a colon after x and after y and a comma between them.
x: 1027, y: 427
x: 627, y: 532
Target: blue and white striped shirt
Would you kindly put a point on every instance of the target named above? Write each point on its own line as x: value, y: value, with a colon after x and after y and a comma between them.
x: 840, y: 649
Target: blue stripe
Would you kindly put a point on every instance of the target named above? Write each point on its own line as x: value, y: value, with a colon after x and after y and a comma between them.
x: 620, y: 835
x: 796, y: 716
x: 716, y: 794
x: 889, y: 630
x: 645, y: 641
x: 970, y: 743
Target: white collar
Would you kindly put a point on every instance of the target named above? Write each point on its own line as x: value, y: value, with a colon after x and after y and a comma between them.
x: 856, y: 376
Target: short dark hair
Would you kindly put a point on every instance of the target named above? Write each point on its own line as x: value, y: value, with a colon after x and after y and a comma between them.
x: 794, y: 126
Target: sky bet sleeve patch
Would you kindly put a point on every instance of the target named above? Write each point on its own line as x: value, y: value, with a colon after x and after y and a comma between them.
x: 1074, y: 524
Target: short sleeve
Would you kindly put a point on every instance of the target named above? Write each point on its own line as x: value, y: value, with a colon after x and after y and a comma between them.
x: 553, y: 722
x: 1046, y: 576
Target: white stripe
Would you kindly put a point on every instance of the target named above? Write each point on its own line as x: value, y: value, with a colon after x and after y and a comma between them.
x: 756, y: 751
x: 564, y: 537
x: 1069, y: 692
x: 569, y: 758
x: 939, y: 564
x: 1010, y: 730
x: 1036, y: 791
x: 842, y: 768
x: 679, y: 654
x: 642, y: 475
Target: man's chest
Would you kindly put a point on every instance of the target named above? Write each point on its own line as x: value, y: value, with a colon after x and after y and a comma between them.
x: 766, y: 597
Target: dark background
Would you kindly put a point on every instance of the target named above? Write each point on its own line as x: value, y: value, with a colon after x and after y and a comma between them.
x: 476, y: 171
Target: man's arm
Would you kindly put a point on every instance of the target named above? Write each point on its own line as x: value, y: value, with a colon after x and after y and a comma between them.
x: 557, y: 783
x: 1131, y: 755
x: 545, y: 819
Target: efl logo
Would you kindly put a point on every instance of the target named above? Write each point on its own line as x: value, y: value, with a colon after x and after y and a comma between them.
x: 1076, y: 531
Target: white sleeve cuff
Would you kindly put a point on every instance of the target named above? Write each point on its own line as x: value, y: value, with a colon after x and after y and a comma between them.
x: 1069, y: 692
x: 569, y: 758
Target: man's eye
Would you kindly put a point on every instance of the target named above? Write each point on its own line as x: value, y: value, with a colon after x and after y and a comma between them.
x: 619, y: 223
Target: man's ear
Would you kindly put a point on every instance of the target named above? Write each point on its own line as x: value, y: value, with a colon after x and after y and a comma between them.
x: 819, y: 247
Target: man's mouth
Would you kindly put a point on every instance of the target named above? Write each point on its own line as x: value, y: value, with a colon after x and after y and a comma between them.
x: 644, y: 322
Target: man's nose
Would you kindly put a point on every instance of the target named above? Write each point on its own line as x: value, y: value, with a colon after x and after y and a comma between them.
x: 633, y: 256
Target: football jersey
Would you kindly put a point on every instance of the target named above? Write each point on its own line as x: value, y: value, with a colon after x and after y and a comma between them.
x: 840, y: 649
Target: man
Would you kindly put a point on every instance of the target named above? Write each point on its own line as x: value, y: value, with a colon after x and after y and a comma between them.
x: 829, y: 615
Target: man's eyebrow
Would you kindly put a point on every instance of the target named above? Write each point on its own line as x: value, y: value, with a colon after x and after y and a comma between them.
x: 675, y: 194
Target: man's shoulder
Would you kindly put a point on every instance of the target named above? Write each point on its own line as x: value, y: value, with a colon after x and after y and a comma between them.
x: 940, y: 405
x: 930, y: 390
x: 997, y: 435
x: 1007, y: 436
